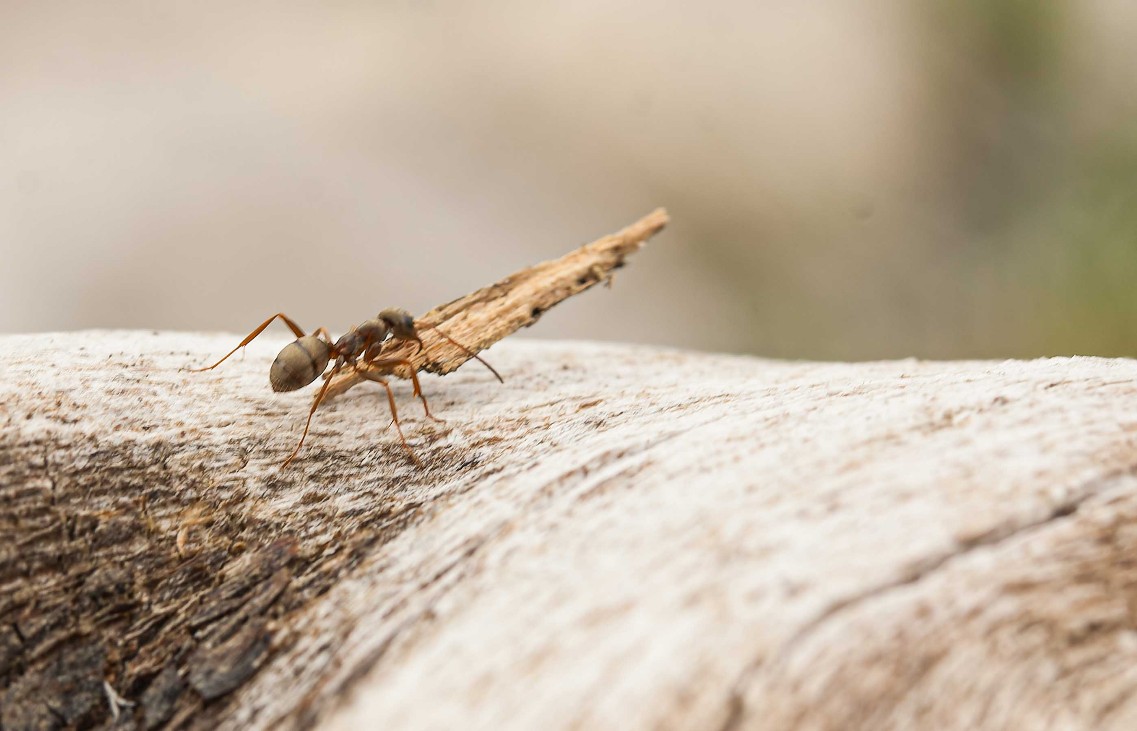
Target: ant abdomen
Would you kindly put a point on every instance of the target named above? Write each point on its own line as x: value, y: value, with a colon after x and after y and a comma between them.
x: 299, y: 363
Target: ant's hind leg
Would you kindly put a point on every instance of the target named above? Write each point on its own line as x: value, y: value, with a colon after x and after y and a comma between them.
x: 287, y: 321
x: 394, y: 411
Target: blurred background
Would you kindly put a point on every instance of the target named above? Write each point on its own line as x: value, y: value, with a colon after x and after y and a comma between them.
x: 847, y: 180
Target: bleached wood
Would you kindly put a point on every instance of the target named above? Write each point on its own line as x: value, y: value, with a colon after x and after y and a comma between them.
x: 617, y: 538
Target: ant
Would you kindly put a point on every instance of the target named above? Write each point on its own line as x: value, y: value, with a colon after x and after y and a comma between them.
x: 305, y: 359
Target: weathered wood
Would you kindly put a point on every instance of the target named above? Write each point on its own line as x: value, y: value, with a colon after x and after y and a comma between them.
x: 618, y: 537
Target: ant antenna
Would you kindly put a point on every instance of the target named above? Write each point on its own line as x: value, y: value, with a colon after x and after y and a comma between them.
x: 466, y: 350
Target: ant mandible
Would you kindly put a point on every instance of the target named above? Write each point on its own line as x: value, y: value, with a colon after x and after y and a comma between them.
x: 305, y: 359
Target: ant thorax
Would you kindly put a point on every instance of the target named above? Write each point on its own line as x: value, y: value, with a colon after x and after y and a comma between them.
x: 349, y: 347
x: 373, y: 331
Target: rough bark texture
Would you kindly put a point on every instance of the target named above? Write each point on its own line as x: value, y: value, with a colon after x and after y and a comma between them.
x: 617, y: 538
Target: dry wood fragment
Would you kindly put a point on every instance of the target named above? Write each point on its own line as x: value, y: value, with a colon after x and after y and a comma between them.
x: 484, y: 317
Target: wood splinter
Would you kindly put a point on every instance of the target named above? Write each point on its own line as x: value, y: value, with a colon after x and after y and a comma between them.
x: 492, y: 313
x: 392, y: 343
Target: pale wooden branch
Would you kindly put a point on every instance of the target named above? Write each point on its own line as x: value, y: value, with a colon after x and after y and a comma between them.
x: 617, y: 538
x: 482, y: 318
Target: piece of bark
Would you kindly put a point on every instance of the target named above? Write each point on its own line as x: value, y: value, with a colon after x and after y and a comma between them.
x: 617, y: 538
x: 492, y: 313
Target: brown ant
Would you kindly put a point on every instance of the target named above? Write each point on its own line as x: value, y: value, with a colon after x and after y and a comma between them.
x: 305, y: 359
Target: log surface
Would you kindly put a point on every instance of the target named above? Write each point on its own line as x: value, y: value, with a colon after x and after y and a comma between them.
x: 617, y: 538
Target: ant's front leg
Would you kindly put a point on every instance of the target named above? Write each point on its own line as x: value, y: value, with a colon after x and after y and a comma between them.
x: 464, y: 349
x: 388, y: 362
x: 394, y: 411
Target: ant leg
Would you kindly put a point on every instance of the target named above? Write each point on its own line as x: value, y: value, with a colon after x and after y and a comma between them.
x: 292, y: 325
x: 466, y: 350
x: 414, y: 379
x: 315, y: 405
x: 418, y: 342
x: 394, y: 411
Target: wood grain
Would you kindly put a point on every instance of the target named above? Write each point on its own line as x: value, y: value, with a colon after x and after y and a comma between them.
x: 617, y: 538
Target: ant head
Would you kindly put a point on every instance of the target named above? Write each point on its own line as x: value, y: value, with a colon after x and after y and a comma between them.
x: 401, y: 323
x: 299, y: 363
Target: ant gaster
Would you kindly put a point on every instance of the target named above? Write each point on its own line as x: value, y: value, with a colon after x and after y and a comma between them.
x: 305, y: 359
